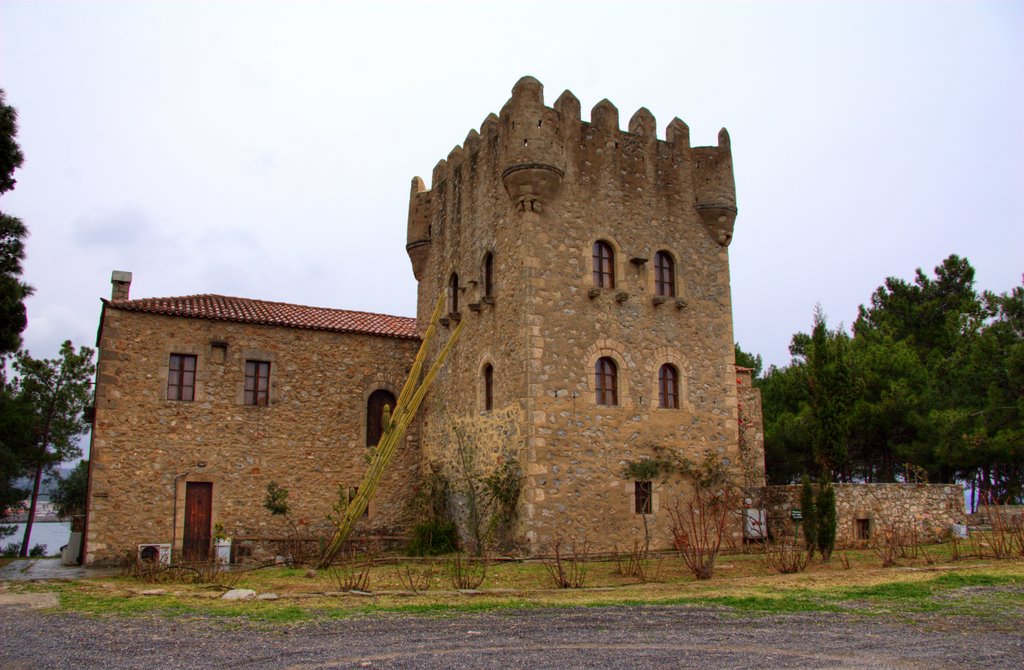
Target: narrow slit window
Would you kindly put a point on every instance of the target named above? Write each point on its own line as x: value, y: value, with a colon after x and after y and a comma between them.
x: 488, y: 275
x: 453, y: 293
x: 488, y: 387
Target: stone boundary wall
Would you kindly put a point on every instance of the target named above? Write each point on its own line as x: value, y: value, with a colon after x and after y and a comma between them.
x: 932, y: 508
x: 984, y: 514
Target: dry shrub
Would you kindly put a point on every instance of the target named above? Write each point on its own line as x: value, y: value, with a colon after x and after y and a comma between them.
x: 568, y: 571
x: 637, y: 563
x: 1007, y: 537
x: 786, y: 557
x: 352, y: 573
x: 210, y: 572
x: 415, y: 577
x: 698, y: 529
x: 466, y: 573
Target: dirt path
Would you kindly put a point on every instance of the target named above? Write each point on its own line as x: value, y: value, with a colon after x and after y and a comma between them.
x: 556, y: 638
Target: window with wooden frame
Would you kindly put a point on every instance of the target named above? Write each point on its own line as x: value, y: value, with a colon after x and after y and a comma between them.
x: 488, y: 275
x: 664, y: 275
x: 488, y: 387
x: 604, y: 265
x: 257, y: 383
x: 606, y: 387
x: 668, y: 387
x: 643, y: 498
x: 181, y: 377
x: 862, y: 529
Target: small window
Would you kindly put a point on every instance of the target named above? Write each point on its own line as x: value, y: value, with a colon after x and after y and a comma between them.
x: 257, y: 383
x: 375, y: 414
x: 606, y: 382
x: 668, y: 387
x: 604, y: 265
x: 488, y: 275
x: 453, y: 293
x: 181, y: 377
x: 862, y: 529
x: 643, y: 495
x: 488, y: 387
x: 664, y: 275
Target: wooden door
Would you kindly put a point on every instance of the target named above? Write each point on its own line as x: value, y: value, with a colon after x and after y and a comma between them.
x: 198, y: 515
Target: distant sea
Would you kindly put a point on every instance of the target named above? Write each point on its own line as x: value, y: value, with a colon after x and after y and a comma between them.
x: 54, y: 534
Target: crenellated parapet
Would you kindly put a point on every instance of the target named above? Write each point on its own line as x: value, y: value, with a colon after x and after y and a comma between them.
x: 535, y: 149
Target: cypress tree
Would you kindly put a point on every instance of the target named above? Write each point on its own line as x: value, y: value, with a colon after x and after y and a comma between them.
x: 810, y: 515
x: 827, y: 518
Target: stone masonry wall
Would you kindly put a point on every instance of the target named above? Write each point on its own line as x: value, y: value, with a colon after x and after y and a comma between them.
x: 931, y: 508
x: 310, y: 439
x: 751, y: 427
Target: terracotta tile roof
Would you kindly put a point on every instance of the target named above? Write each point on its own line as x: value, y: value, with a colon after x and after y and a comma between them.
x: 246, y: 310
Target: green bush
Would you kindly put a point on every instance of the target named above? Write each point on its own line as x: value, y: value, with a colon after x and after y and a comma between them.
x: 431, y: 538
x: 37, y: 551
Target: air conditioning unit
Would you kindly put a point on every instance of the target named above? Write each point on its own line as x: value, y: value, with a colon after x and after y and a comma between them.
x: 155, y: 553
x: 755, y: 524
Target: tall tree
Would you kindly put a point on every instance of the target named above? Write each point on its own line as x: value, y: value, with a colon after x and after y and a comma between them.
x: 15, y: 435
x: 56, y: 390
x: 13, y: 290
x: 833, y: 390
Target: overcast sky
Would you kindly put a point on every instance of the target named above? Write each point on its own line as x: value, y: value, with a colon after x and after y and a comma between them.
x: 265, y: 149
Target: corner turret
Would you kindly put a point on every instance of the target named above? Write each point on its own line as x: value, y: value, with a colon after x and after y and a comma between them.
x: 418, y: 233
x: 534, y: 156
x: 715, y: 188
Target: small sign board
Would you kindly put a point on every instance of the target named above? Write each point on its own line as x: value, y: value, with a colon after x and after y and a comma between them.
x: 796, y: 515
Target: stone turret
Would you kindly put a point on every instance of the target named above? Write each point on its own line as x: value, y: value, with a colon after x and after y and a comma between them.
x: 534, y: 155
x: 715, y: 188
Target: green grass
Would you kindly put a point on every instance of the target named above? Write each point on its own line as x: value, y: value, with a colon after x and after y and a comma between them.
x: 989, y: 591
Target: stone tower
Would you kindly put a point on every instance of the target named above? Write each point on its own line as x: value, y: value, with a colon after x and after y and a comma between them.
x: 591, y: 267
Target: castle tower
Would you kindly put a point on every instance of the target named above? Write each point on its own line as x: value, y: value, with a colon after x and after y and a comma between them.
x: 591, y: 267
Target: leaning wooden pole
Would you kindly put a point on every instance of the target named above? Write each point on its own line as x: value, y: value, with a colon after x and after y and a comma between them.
x: 395, y: 423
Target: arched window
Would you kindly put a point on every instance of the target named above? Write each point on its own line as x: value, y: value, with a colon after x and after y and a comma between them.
x: 488, y: 275
x: 664, y: 275
x: 606, y: 388
x: 604, y: 265
x: 375, y: 415
x: 668, y: 387
x: 453, y: 294
x: 488, y: 387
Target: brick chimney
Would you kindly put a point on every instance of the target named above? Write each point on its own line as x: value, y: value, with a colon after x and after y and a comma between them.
x: 121, y: 283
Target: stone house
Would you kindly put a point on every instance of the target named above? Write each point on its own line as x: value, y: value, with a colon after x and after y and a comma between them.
x: 590, y: 267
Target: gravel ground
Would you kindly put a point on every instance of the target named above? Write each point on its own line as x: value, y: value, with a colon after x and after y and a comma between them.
x: 557, y: 638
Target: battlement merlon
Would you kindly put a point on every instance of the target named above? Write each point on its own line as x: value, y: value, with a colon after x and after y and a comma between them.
x: 538, y: 146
